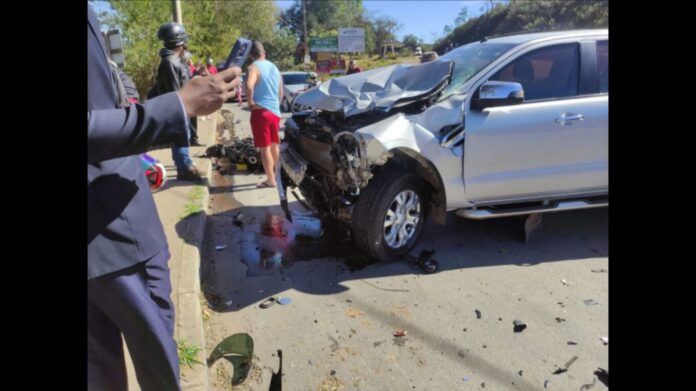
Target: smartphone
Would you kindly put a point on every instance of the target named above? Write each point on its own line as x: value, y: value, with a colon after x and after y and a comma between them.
x: 239, y: 53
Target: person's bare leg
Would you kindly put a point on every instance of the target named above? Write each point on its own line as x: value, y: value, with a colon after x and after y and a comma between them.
x: 267, y: 161
x: 275, y: 153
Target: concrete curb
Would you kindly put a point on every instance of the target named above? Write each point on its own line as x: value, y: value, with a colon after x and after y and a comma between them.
x: 189, y: 315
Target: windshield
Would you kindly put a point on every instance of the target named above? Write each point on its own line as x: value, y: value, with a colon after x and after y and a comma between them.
x: 470, y: 59
x: 297, y: 78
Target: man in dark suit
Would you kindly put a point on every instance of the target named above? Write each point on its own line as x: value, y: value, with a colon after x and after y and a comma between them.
x: 128, y: 284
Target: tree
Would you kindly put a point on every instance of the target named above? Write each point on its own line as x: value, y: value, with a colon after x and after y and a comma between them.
x: 385, y: 28
x: 462, y: 17
x: 411, y: 41
x: 522, y: 15
x: 213, y: 26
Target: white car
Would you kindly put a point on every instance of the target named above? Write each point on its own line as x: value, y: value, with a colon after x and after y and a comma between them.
x: 294, y: 83
x: 506, y: 126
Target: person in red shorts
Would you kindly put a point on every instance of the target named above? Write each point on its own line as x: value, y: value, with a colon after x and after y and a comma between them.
x: 264, y: 93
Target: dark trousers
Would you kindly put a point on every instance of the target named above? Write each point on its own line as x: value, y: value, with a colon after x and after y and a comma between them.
x: 193, y: 128
x: 134, y: 302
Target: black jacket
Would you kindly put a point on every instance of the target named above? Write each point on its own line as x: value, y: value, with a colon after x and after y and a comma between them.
x: 171, y: 73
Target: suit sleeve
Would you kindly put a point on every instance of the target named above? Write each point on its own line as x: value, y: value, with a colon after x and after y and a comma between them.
x: 113, y: 133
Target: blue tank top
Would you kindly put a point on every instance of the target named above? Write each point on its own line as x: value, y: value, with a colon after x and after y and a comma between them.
x: 267, y: 86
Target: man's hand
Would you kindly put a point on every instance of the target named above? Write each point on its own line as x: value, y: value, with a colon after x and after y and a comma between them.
x: 204, y: 95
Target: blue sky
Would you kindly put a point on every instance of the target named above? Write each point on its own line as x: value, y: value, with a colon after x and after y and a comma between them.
x: 424, y: 19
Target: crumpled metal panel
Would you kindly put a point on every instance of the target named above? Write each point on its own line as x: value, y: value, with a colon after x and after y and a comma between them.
x: 377, y: 88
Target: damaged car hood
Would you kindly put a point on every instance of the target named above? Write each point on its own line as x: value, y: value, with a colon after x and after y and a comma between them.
x: 379, y: 88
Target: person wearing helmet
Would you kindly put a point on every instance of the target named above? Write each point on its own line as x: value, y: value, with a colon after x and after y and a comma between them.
x: 212, y: 69
x: 312, y: 79
x: 172, y: 74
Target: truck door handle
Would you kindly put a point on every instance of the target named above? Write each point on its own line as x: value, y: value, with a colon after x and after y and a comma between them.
x: 566, y: 119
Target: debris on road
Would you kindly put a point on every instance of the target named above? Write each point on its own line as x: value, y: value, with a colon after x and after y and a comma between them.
x: 572, y: 343
x: 605, y: 340
x: 478, y: 314
x: 519, y: 372
x: 267, y: 303
x: 559, y: 320
x: 238, y: 349
x: 585, y: 387
x: 546, y: 383
x: 284, y: 301
x: 237, y: 220
x: 567, y: 365
x: 220, y: 247
x: 519, y: 326
x: 603, y: 376
x: 590, y: 302
x: 565, y: 283
x: 400, y: 333
x: 600, y: 271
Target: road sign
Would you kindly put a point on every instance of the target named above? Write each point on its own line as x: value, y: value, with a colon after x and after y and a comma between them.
x: 351, y: 40
x: 328, y: 44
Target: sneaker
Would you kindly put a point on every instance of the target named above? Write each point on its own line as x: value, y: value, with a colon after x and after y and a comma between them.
x: 191, y: 174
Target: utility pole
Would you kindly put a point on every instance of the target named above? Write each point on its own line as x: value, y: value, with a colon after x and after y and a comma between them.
x: 304, y: 20
x: 176, y: 11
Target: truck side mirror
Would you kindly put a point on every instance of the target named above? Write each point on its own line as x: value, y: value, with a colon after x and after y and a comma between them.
x: 498, y: 93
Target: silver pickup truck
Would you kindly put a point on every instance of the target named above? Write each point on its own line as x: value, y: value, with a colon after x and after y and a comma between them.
x: 506, y: 126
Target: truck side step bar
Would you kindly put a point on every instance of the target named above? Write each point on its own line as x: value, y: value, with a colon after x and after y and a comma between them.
x: 559, y: 206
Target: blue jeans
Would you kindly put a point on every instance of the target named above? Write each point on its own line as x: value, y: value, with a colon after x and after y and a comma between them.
x: 181, y: 158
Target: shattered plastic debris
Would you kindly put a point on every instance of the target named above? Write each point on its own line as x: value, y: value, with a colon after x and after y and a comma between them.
x: 220, y: 247
x: 585, y: 387
x: 238, y: 349
x: 605, y: 340
x: 229, y: 303
x: 519, y: 326
x: 600, y: 271
x: 590, y: 302
x: 267, y: 303
x: 565, y: 283
x: 306, y: 224
x: 478, y: 314
x: 567, y: 365
x: 400, y: 333
x: 559, y: 320
x: 284, y: 301
x: 546, y: 383
x: 572, y: 343
x: 603, y: 376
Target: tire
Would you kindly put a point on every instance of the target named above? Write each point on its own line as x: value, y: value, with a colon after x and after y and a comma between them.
x: 369, y: 220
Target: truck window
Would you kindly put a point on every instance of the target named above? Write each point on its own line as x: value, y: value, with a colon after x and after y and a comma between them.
x: 603, y: 65
x: 547, y: 73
